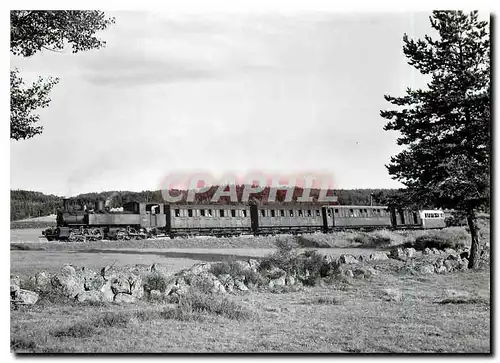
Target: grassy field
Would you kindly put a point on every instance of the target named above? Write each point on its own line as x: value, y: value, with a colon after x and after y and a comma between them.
x: 437, y: 313
x: 440, y: 313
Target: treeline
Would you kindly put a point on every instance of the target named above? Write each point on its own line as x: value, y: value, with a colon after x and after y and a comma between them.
x: 27, y: 204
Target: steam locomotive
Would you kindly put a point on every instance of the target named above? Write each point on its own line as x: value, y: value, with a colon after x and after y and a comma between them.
x: 145, y: 220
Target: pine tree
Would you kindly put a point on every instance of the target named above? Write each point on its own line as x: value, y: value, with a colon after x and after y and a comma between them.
x: 445, y: 128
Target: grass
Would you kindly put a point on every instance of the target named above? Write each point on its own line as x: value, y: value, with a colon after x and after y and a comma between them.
x: 341, y: 316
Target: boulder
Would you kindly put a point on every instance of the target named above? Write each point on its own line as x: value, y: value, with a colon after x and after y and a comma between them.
x: 240, y: 285
x: 122, y: 298
x: 15, y: 283
x: 107, y: 292
x: 453, y: 257
x: 127, y: 283
x: 363, y: 272
x: 392, y: 294
x: 68, y: 282
x: 397, y: 253
x: 435, y: 251
x: 440, y: 269
x: 348, y: 273
x: 450, y: 251
x: 26, y: 297
x: 42, y: 280
x: 451, y: 265
x: 155, y: 295
x: 92, y: 296
x: 227, y: 281
x: 410, y: 252
x: 463, y: 264
x: 207, y: 282
x: 427, y: 251
x: 290, y: 280
x: 427, y: 269
x: 464, y: 255
x: 378, y: 256
x: 348, y: 259
x: 280, y: 281
x: 199, y: 268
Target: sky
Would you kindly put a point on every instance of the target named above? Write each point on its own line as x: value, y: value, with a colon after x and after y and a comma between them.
x: 269, y: 91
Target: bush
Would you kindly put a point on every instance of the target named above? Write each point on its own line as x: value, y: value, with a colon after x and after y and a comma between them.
x: 453, y: 238
x: 376, y: 238
x: 193, y: 304
x: 156, y: 281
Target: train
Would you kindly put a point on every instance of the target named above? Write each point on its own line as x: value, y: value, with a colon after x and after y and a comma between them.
x: 138, y: 220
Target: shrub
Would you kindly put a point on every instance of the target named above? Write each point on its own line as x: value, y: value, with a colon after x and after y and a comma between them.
x: 156, y: 281
x: 322, y: 300
x: 453, y: 238
x: 193, y: 304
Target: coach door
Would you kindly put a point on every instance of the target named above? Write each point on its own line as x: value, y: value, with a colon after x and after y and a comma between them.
x: 254, y: 219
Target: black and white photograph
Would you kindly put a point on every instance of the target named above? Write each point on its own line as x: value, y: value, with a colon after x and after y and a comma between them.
x: 281, y: 179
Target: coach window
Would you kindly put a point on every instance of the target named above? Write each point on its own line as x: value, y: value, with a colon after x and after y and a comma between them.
x: 209, y: 212
x: 263, y: 212
x: 244, y: 211
x: 291, y: 212
x: 282, y: 212
x: 190, y: 212
x: 329, y: 212
x: 233, y: 213
x: 273, y: 213
x: 202, y: 212
x: 177, y: 212
x: 308, y: 212
x: 222, y: 212
x: 300, y: 213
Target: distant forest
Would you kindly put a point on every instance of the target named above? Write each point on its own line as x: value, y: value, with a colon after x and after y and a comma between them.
x: 28, y: 204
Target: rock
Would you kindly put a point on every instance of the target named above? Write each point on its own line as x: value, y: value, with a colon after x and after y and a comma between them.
x: 254, y: 264
x: 379, y: 256
x: 207, y: 282
x: 440, y: 269
x: 392, y: 294
x: 348, y: 273
x: 122, y: 298
x: 106, y: 292
x: 464, y: 255
x: 93, y: 296
x: 238, y: 284
x: 290, y: 280
x: 68, y: 282
x: 453, y: 257
x: 155, y: 295
x: 450, y: 251
x: 410, y: 252
x: 26, y: 297
x: 277, y: 282
x: 68, y: 270
x: 451, y: 265
x: 127, y: 283
x: 42, y: 280
x: 274, y: 273
x: 363, y: 272
x: 427, y: 269
x: 15, y: 283
x: 199, y: 268
x: 435, y: 251
x: 463, y: 264
x: 397, y: 253
x: 348, y: 259
x: 427, y: 251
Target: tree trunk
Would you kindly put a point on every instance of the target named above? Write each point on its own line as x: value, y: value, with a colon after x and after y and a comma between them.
x: 474, y: 249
